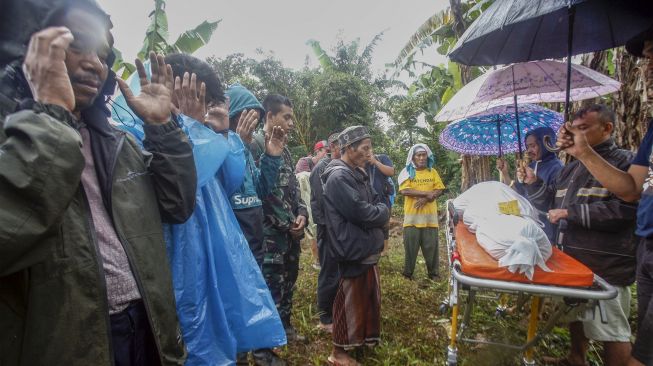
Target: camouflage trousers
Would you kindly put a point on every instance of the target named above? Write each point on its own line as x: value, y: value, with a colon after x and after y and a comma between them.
x: 280, y: 270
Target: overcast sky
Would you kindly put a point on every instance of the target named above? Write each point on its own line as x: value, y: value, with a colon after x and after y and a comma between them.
x: 280, y: 26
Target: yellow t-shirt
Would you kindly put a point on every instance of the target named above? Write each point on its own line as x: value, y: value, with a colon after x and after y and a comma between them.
x: 426, y: 216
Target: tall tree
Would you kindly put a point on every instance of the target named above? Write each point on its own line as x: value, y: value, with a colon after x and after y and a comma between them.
x: 632, y: 102
x: 443, y: 30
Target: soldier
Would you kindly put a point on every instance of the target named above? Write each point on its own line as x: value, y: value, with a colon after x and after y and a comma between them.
x: 285, y: 216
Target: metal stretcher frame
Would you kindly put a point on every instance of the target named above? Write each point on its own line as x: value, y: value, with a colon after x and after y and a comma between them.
x: 459, y: 281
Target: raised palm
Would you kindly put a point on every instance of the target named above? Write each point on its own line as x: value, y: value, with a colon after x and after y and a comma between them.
x: 153, y: 104
x: 276, y: 141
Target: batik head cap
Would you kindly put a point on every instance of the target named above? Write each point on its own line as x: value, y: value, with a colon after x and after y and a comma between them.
x: 352, y: 134
x: 333, y: 138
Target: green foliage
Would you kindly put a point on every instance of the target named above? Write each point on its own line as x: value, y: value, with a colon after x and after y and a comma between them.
x: 413, y: 114
x: 120, y: 67
x: 156, y: 39
x: 193, y: 39
x: 440, y: 30
x: 342, y: 92
x: 320, y: 53
x: 156, y: 35
x: 342, y: 100
x: 269, y: 76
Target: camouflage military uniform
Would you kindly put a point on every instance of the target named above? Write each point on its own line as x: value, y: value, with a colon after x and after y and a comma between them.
x: 281, y: 251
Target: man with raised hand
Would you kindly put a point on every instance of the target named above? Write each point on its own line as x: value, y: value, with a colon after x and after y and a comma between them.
x: 84, y: 277
x: 631, y: 185
x: 285, y: 215
x: 595, y: 227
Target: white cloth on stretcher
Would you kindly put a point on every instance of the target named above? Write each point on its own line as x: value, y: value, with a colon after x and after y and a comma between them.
x: 516, y: 242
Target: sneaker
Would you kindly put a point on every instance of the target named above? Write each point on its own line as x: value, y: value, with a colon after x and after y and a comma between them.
x: 266, y: 357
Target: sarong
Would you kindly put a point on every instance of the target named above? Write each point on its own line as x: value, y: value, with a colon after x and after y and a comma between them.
x: 357, y: 310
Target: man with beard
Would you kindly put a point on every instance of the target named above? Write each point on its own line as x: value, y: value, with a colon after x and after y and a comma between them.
x: 84, y: 277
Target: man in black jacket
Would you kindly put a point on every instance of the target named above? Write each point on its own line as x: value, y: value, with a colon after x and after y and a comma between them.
x: 354, y: 217
x: 595, y: 227
x: 634, y: 185
x: 84, y: 276
x: 327, y: 280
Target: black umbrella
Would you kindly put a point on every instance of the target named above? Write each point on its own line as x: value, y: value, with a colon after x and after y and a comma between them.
x: 524, y: 30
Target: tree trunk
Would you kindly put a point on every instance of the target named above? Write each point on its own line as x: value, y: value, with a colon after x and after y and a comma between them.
x: 475, y: 169
x: 632, y: 104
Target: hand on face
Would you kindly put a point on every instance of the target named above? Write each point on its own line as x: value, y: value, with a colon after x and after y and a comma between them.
x: 188, y: 99
x: 45, y: 67
x: 152, y: 105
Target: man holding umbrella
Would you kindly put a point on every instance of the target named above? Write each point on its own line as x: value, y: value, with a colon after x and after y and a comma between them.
x: 545, y: 165
x: 595, y: 227
x: 633, y: 185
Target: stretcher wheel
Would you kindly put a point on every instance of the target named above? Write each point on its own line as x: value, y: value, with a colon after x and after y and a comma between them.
x: 500, y: 312
x: 443, y: 308
x: 452, y: 356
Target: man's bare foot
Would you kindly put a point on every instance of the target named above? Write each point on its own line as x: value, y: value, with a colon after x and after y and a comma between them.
x: 339, y: 357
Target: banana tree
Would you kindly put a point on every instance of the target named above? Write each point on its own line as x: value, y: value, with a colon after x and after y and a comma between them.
x: 156, y: 39
x: 347, y: 57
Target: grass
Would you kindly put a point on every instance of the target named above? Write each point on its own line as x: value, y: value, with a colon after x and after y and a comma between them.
x: 413, y: 330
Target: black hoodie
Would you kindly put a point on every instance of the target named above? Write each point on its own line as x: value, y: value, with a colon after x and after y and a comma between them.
x: 354, y: 218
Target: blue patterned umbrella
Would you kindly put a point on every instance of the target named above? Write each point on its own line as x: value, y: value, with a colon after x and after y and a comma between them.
x: 479, y: 135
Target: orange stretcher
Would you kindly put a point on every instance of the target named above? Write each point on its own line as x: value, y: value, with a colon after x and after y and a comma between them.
x: 475, y: 261
x: 472, y: 269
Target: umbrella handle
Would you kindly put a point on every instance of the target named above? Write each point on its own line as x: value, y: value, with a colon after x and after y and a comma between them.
x: 546, y: 141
